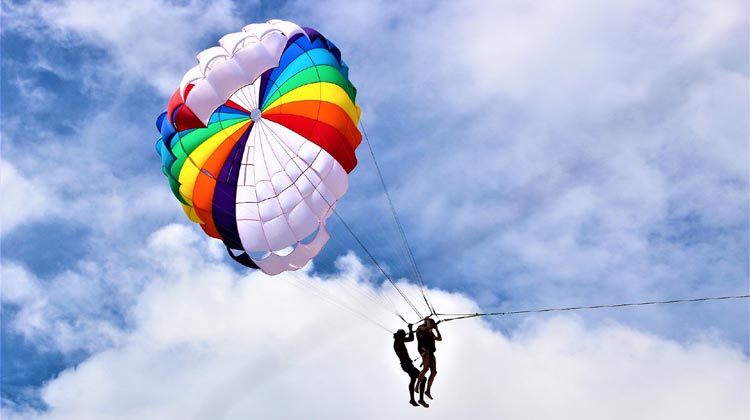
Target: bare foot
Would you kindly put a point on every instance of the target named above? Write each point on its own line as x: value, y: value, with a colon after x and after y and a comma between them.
x: 428, y: 394
x: 424, y: 404
x: 414, y: 403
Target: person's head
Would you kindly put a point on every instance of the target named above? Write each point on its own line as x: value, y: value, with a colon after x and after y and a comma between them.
x: 432, y: 323
x: 399, y: 335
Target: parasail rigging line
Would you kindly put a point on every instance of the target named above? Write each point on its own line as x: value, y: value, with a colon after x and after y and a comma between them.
x: 404, y: 240
x: 382, y: 299
x: 369, y: 254
x: 351, y: 232
x: 304, y: 284
x: 576, y: 308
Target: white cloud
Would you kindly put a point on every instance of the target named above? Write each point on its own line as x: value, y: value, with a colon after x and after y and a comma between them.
x: 68, y: 313
x: 19, y: 287
x: 207, y: 343
x: 84, y: 177
x: 25, y: 198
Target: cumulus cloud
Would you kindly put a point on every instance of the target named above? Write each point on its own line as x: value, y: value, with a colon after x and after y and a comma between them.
x: 210, y: 343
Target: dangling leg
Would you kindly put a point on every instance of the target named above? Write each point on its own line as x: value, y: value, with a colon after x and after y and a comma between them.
x: 425, y: 367
x: 414, y: 374
x: 421, y: 380
x: 433, y: 373
x: 421, y: 394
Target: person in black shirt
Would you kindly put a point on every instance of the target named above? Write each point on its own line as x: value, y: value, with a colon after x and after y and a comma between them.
x: 399, y: 346
x: 426, y: 344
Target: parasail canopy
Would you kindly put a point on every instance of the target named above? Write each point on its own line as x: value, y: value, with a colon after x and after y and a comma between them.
x: 258, y: 141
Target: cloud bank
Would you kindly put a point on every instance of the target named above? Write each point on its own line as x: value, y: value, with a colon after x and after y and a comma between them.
x: 209, y: 343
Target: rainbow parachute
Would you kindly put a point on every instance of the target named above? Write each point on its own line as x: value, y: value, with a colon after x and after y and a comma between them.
x: 258, y: 141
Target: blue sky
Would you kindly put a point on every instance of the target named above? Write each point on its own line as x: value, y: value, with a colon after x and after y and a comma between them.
x: 539, y: 155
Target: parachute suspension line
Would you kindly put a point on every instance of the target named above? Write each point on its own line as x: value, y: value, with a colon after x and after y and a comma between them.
x: 369, y: 254
x: 305, y: 285
x: 385, y: 300
x: 576, y: 308
x: 414, y: 267
x: 356, y: 238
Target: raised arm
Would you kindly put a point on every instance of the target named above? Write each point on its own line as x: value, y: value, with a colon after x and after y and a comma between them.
x: 438, y: 337
x: 410, y: 337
